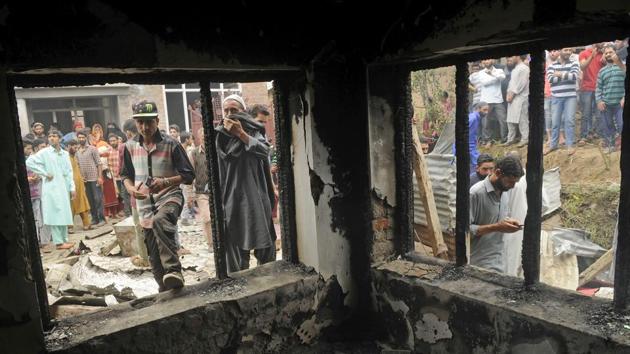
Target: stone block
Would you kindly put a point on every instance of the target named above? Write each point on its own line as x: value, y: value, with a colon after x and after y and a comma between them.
x: 126, y: 237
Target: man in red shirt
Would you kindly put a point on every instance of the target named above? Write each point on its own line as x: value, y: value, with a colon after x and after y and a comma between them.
x: 591, y: 61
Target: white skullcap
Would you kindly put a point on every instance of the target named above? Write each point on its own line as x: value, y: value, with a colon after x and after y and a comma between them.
x: 236, y: 98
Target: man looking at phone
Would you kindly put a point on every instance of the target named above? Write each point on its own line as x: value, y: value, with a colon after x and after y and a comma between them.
x: 154, y: 165
x: 489, y: 214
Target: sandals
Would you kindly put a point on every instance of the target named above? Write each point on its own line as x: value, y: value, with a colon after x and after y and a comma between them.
x: 65, y: 245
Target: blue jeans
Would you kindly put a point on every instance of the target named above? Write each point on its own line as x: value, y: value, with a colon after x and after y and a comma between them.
x: 610, y: 124
x: 563, y: 112
x: 587, y: 105
x: 548, y: 113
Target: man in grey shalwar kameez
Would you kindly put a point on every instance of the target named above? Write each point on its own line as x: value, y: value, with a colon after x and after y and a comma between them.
x: 243, y: 154
x: 518, y: 102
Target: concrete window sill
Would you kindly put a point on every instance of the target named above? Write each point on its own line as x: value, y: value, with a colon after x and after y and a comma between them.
x: 259, y: 297
x: 467, y: 308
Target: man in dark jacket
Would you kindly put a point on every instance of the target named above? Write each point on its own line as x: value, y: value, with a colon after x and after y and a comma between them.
x: 243, y: 154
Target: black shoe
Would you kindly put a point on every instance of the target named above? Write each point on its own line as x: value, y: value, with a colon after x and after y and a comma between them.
x: 173, y: 280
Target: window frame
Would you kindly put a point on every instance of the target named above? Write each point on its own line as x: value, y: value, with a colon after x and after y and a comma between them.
x: 25, y: 81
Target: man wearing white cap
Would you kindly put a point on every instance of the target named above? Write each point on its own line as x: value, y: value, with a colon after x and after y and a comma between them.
x: 243, y: 154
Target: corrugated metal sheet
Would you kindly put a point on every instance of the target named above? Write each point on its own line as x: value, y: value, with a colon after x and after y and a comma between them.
x: 442, y: 171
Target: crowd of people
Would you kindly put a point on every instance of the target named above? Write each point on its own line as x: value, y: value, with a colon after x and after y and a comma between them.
x: 588, y: 80
x: 157, y: 177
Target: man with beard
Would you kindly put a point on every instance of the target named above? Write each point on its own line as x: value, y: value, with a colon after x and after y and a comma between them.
x: 243, y: 155
x: 52, y: 165
x: 485, y: 166
x: 609, y: 95
x: 510, y: 64
x: 490, y: 216
x: 37, y: 132
x: 518, y: 102
x: 490, y: 79
x: 591, y: 62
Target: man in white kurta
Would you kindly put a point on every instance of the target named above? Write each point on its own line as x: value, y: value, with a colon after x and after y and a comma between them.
x: 518, y: 102
x: 52, y: 164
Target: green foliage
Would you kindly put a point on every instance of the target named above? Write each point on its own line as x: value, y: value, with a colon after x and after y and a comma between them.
x: 428, y: 85
x: 592, y: 208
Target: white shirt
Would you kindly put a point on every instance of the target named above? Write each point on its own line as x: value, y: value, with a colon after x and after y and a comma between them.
x: 491, y: 85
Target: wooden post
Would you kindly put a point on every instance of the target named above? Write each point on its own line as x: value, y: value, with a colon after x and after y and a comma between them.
x: 462, y: 218
x: 426, y: 194
x: 600, y: 265
x: 622, y: 258
x: 216, y: 199
x: 535, y: 169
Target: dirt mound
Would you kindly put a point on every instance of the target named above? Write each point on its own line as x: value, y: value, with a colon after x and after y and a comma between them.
x: 590, y: 188
x: 589, y: 165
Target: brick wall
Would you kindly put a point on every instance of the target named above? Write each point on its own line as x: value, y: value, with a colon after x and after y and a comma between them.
x: 140, y: 92
x: 257, y: 93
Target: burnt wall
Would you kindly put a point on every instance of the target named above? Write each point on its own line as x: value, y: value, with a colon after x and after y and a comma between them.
x: 434, y: 307
x: 339, y: 179
x: 390, y: 161
x: 20, y: 323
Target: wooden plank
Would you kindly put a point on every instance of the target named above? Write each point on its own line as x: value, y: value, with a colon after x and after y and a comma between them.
x: 426, y: 194
x: 92, y: 234
x: 63, y: 311
x: 600, y: 265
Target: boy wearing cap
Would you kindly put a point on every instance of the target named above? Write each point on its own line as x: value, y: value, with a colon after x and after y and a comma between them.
x: 154, y: 165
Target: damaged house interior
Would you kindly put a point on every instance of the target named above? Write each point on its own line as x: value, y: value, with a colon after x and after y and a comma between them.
x: 351, y: 277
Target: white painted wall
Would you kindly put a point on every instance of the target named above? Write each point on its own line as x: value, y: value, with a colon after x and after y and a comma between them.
x: 319, y: 245
x: 382, y: 159
x: 23, y: 115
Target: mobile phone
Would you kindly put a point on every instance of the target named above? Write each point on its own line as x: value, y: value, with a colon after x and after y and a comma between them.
x: 148, y: 181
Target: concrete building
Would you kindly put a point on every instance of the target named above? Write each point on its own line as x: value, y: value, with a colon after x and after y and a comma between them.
x: 62, y: 106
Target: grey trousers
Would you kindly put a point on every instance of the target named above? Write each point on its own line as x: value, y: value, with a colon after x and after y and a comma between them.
x: 160, y: 241
x: 494, y: 125
x: 44, y: 234
x: 237, y: 259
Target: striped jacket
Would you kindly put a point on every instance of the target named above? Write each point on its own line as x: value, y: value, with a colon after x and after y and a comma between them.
x: 564, y: 86
x: 166, y: 158
x: 610, y: 85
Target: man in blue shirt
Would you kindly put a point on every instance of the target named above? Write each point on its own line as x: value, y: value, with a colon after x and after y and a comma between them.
x: 480, y: 110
